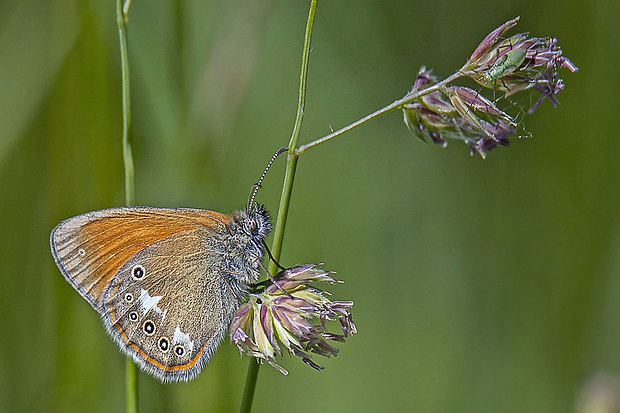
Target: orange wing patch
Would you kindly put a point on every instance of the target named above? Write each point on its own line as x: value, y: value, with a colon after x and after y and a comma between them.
x: 91, y: 254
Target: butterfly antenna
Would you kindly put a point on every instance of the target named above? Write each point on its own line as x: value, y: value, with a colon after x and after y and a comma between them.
x: 257, y: 185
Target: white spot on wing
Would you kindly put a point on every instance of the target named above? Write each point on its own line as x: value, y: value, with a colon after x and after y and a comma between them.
x: 147, y: 302
x: 181, y: 337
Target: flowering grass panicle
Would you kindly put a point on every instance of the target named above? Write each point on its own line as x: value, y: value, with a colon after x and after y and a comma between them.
x: 506, y: 65
x: 291, y: 315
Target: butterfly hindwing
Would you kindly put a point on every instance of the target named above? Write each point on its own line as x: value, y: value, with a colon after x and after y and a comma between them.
x: 170, y: 306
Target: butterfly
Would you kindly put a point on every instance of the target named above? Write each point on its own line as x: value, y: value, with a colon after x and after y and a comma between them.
x: 166, y: 281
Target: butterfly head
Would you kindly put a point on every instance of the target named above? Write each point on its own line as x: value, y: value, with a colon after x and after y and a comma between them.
x: 249, y: 229
x: 255, y: 222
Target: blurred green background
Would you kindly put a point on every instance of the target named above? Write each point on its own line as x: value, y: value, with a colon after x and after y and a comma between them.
x: 479, y: 286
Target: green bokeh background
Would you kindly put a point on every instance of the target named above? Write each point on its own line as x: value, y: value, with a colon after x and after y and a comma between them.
x: 479, y: 286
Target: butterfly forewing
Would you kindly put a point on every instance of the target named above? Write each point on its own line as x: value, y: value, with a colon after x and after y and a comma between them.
x: 90, y: 248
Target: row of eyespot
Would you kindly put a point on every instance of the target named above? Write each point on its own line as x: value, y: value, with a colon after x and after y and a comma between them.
x: 148, y: 327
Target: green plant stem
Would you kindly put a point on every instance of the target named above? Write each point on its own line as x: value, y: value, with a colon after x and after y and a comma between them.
x: 250, y: 386
x: 394, y: 105
x: 131, y: 375
x: 126, y: 10
x: 287, y: 189
x: 291, y: 160
x: 131, y: 386
x: 285, y: 199
x: 130, y: 194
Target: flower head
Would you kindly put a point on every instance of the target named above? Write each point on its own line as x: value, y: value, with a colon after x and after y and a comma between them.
x: 517, y: 63
x: 507, y: 65
x: 292, y: 315
x: 457, y: 112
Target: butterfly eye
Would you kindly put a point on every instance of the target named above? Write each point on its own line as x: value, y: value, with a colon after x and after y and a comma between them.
x: 133, y: 316
x: 129, y: 297
x: 137, y: 272
x: 179, y: 350
x: 164, y: 344
x: 251, y: 226
x: 148, y: 327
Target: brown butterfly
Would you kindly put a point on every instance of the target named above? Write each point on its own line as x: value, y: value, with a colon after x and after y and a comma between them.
x: 166, y: 282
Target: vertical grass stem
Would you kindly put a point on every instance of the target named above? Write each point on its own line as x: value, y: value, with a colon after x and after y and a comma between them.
x: 131, y: 375
x: 287, y: 189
